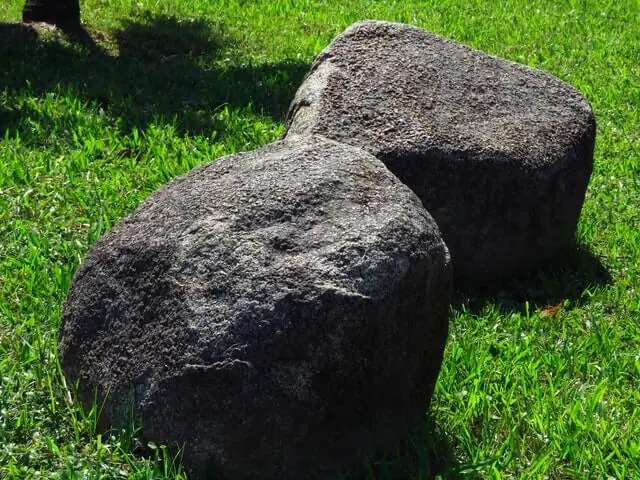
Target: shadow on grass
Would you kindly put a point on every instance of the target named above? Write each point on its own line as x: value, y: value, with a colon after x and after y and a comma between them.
x: 15, y: 33
x: 566, y: 277
x: 166, y: 70
x: 427, y: 453
x: 156, y: 68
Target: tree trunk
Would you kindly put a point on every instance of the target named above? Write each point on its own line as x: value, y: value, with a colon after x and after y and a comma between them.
x: 62, y: 13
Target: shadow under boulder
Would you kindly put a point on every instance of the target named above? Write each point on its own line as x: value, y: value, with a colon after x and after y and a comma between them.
x: 499, y: 153
x: 281, y: 313
x: 276, y: 313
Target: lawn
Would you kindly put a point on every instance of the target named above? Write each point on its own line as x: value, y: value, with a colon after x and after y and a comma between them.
x: 541, y: 377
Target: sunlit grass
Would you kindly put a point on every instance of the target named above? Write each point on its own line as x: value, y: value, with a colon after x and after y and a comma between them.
x: 526, y: 391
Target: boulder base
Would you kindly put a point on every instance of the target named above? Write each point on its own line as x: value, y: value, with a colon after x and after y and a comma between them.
x: 499, y: 153
x: 274, y: 313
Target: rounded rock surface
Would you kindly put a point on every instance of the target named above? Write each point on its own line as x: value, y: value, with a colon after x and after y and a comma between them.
x: 275, y: 313
x: 499, y: 153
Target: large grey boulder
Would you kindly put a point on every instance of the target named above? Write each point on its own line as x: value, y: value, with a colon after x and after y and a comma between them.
x: 274, y: 312
x: 499, y: 153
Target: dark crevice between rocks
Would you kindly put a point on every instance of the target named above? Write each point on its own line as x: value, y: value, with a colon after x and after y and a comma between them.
x: 161, y: 73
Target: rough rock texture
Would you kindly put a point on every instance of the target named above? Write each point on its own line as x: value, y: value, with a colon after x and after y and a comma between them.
x: 499, y: 153
x: 275, y: 311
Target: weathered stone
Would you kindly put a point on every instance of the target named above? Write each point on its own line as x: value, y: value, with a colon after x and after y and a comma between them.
x: 274, y: 312
x: 499, y: 153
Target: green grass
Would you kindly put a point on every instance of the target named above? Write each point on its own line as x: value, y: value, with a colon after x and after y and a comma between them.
x: 87, y: 133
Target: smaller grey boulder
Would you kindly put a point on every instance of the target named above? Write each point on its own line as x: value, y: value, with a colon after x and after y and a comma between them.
x: 275, y: 313
x: 499, y: 153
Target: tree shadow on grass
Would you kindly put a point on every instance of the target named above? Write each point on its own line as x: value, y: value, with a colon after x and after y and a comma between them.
x: 568, y: 276
x: 155, y: 69
x: 15, y: 33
